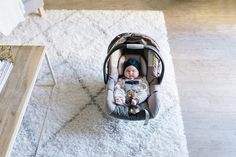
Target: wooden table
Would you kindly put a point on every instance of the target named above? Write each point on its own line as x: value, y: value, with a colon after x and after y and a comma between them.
x: 16, y: 93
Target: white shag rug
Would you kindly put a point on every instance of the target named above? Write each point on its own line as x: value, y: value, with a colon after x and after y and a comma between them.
x: 70, y: 121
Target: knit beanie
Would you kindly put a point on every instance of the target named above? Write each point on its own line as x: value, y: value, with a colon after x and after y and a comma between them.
x: 132, y: 62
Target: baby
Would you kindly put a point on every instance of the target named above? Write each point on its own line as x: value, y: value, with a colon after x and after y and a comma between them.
x: 131, y: 90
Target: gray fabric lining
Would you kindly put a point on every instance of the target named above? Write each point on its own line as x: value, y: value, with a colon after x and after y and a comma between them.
x: 110, y: 107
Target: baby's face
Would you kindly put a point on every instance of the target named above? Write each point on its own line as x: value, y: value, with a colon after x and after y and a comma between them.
x: 131, y: 72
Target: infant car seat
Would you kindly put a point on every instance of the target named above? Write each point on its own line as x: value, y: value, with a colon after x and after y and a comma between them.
x: 146, y: 51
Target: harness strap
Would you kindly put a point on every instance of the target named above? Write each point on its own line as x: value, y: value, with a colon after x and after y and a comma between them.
x: 137, y: 109
x: 147, y: 117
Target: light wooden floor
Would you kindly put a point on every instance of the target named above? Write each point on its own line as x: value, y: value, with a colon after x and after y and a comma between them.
x: 202, y: 37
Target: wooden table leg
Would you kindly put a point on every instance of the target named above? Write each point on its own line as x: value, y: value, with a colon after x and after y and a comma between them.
x: 52, y: 73
x: 41, y: 11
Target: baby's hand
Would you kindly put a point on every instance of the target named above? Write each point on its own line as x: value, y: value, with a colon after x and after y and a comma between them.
x: 117, y: 87
x: 120, y: 101
x: 134, y: 102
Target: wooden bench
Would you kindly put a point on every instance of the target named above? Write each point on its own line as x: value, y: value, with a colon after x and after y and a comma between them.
x: 16, y: 93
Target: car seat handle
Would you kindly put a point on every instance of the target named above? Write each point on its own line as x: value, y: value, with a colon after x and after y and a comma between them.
x: 132, y: 46
x: 135, y: 46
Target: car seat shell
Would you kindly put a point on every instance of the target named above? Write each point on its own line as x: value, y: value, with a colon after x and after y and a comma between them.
x: 147, y: 52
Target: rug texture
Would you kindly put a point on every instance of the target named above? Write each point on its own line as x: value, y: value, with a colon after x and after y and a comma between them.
x: 69, y: 120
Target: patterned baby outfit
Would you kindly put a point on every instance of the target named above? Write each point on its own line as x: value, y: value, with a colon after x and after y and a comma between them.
x: 139, y: 86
